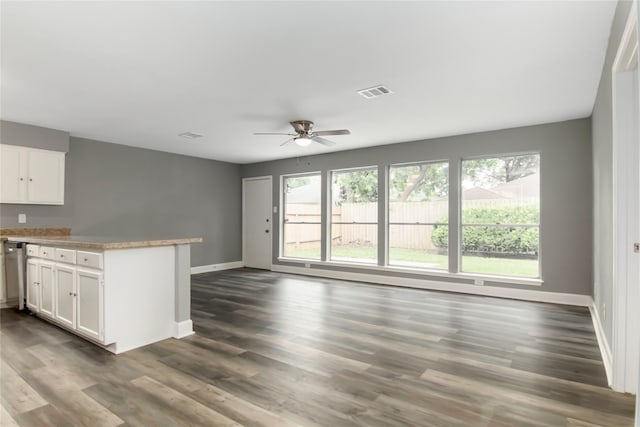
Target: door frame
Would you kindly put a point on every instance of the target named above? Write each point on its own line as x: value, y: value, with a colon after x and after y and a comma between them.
x: 626, y: 210
x: 244, y: 181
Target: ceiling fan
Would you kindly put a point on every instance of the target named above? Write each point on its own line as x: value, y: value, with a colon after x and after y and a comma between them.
x: 305, y: 135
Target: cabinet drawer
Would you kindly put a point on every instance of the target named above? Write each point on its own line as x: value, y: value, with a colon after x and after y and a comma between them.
x: 33, y: 250
x: 47, y: 252
x: 89, y: 259
x: 66, y: 255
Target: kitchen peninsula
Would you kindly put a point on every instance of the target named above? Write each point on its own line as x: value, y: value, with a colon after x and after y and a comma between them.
x: 119, y: 293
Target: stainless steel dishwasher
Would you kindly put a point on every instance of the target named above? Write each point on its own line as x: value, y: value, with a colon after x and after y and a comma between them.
x: 14, y: 264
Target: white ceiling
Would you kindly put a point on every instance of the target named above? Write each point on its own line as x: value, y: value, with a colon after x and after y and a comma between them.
x: 140, y: 73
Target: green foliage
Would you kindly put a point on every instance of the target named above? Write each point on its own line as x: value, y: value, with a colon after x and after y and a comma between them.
x: 503, y: 240
x: 292, y: 182
x: 418, y: 182
x: 487, y: 173
x: 359, y: 186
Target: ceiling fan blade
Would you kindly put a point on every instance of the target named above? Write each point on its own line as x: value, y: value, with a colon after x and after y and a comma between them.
x: 332, y: 132
x: 272, y: 133
x: 288, y: 141
x: 323, y: 141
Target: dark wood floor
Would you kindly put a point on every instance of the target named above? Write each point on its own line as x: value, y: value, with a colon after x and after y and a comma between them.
x: 278, y: 350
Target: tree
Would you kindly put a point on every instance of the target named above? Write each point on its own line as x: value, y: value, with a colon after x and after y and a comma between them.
x: 359, y: 186
x: 487, y: 173
x: 418, y: 183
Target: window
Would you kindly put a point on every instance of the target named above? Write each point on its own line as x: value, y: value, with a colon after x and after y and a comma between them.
x: 354, y: 215
x: 500, y: 218
x: 419, y: 215
x: 302, y: 227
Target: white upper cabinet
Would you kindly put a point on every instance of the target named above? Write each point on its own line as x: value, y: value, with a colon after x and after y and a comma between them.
x: 31, y: 176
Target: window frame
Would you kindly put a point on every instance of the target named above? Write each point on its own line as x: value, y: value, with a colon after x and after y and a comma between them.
x: 461, y: 224
x: 283, y: 215
x: 330, y: 222
x: 389, y: 223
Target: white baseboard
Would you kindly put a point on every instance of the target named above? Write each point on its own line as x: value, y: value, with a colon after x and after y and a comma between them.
x: 183, y: 329
x: 216, y: 267
x: 492, y: 291
x: 605, y: 350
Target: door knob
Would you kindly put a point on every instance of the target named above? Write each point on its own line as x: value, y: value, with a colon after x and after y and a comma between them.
x: 266, y: 231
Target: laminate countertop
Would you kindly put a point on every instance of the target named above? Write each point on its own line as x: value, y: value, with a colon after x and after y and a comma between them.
x: 101, y: 242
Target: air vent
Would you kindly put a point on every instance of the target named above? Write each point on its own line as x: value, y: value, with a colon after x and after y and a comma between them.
x: 190, y: 135
x: 374, y: 92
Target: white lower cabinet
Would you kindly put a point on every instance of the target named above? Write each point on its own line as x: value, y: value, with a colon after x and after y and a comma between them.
x: 65, y: 295
x: 40, y: 287
x: 90, y: 303
x: 71, y: 296
x: 46, y: 288
x: 33, y: 288
x: 119, y: 299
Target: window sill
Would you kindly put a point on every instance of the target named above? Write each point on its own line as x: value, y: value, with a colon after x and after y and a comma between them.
x: 419, y: 271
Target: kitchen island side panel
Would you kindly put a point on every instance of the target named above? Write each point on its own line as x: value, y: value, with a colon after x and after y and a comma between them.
x: 139, y: 296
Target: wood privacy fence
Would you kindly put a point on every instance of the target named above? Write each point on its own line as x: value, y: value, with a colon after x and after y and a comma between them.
x: 409, y: 235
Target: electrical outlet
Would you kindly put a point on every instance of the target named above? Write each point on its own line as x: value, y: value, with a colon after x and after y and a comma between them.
x: 307, y: 265
x: 22, y: 218
x: 478, y: 282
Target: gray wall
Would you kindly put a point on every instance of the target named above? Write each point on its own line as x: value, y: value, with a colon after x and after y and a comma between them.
x: 12, y: 133
x: 602, y: 134
x: 566, y: 187
x: 123, y: 191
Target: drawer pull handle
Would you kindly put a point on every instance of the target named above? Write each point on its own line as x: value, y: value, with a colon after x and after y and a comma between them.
x: 61, y: 255
x: 86, y: 259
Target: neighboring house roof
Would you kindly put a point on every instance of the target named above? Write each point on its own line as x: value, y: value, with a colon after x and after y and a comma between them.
x: 479, y: 193
x: 527, y: 187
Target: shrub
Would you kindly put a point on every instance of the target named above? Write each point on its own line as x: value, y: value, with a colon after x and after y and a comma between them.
x: 502, y: 240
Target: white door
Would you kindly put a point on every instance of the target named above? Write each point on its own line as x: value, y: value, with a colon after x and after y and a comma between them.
x: 89, y: 314
x: 46, y: 288
x: 257, y: 219
x: 65, y: 296
x: 33, y: 288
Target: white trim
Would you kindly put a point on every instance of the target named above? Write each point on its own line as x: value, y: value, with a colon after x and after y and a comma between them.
x: 605, y: 350
x: 627, y: 46
x: 493, y: 291
x: 216, y: 267
x: 183, y: 329
x: 626, y: 209
x: 420, y: 272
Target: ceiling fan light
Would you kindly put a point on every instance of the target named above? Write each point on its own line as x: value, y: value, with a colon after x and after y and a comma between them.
x: 303, y: 141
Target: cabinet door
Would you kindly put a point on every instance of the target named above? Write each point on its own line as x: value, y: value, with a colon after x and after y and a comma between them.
x: 33, y: 288
x: 46, y: 288
x: 90, y: 303
x: 65, y: 295
x: 46, y: 177
x: 12, y: 175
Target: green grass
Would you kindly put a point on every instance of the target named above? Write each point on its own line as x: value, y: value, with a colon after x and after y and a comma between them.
x: 416, y: 258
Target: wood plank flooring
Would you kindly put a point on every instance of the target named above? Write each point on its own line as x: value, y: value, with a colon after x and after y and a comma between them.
x: 281, y: 350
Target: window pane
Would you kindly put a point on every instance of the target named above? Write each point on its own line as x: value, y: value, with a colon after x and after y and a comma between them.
x: 511, y: 251
x: 302, y: 241
x: 423, y: 246
x: 419, y: 193
x: 501, y: 190
x: 354, y: 215
x: 354, y: 242
x: 302, y: 217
